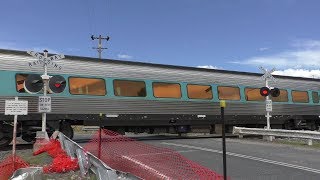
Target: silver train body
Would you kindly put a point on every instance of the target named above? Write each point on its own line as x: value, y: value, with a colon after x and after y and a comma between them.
x: 139, y: 112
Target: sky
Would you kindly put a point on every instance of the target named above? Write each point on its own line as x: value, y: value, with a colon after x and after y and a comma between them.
x: 221, y: 34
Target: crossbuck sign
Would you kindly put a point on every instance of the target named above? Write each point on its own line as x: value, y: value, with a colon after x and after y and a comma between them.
x: 45, y: 60
x: 267, y: 74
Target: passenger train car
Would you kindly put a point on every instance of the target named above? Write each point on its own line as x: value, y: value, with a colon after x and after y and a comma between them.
x: 146, y: 97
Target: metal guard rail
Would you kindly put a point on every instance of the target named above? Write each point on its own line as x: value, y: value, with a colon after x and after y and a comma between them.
x: 88, y: 162
x: 310, y: 135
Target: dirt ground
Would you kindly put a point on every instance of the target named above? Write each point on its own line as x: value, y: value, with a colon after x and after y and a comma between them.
x: 41, y: 160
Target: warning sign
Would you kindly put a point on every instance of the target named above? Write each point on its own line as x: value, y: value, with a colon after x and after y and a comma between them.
x: 44, y: 104
x: 13, y: 107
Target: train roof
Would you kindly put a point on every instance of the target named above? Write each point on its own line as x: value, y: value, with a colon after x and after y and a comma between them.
x: 137, y: 63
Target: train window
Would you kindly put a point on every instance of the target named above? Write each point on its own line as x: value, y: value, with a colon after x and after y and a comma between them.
x: 283, y: 97
x: 315, y: 97
x: 129, y: 88
x: 166, y: 90
x: 229, y: 93
x: 300, y: 96
x: 253, y: 94
x: 199, y: 91
x: 20, y: 78
x: 87, y: 86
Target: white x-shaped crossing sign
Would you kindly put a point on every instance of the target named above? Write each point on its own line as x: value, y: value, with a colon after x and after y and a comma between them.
x: 45, y: 61
x: 267, y: 74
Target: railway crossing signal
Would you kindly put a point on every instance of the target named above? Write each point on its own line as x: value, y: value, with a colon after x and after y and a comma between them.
x: 265, y: 91
x: 34, y: 84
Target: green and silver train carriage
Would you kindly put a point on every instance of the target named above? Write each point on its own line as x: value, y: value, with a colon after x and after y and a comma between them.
x: 146, y: 97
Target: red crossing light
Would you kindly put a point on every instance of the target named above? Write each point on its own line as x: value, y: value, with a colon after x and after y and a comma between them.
x: 264, y: 91
x: 57, y: 84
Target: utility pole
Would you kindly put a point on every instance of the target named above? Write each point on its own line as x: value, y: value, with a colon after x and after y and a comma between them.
x: 100, y: 48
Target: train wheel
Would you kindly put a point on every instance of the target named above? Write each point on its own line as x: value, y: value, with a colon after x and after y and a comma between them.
x: 66, y: 129
x: 289, y: 125
x: 5, y: 135
x: 312, y: 126
x: 29, y: 138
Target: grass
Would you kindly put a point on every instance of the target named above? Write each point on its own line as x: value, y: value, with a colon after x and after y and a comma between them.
x: 38, y: 160
x: 78, y: 130
x: 301, y: 142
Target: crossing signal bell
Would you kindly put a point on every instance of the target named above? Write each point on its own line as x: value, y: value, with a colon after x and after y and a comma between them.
x: 265, y: 91
x: 34, y: 84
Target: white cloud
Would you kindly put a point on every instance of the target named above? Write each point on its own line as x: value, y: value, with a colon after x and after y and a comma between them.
x: 263, y: 48
x: 308, y: 43
x: 299, y: 73
x: 209, y: 67
x: 305, y: 54
x: 124, y: 56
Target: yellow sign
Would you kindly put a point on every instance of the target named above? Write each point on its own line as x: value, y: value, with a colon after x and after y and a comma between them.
x: 223, y: 103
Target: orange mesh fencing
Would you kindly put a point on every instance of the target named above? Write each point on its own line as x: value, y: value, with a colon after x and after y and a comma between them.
x: 7, y: 168
x: 144, y: 160
x: 61, y: 162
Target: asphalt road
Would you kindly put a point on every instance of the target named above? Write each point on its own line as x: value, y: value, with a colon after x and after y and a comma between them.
x: 247, y: 158
x: 250, y: 159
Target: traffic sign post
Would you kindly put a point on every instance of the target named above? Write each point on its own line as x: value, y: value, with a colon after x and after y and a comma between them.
x: 15, y: 107
x: 266, y: 77
x: 44, y: 101
x: 224, y: 151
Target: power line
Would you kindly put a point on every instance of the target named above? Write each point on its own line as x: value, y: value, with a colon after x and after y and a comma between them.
x: 90, y: 16
x: 106, y: 11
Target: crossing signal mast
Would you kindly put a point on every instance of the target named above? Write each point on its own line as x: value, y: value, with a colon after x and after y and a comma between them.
x: 100, y: 48
x: 266, y: 91
x: 36, y: 83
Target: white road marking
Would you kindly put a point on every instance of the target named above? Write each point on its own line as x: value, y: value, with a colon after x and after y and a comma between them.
x: 248, y: 157
x: 172, y: 152
x: 157, y: 173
